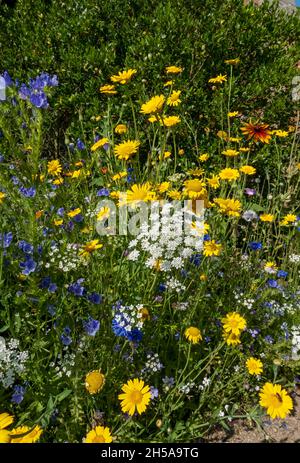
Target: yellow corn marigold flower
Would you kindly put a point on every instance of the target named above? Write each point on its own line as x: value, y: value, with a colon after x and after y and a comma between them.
x: 193, y: 334
x: 266, y: 217
x: 181, y: 152
x: 196, y: 172
x: 218, y: 80
x: 257, y: 132
x: 54, y: 167
x: 94, y: 381
x: 244, y: 150
x: 174, y: 99
x: 108, y: 89
x: 98, y: 435
x: 173, y: 70
x: 5, y: 420
x: 58, y: 222
x: 290, y: 218
x: 2, y: 196
x: 103, y: 214
x: 119, y: 175
x: 120, y: 129
x: 126, y: 149
x: 230, y: 153
x: 123, y: 77
x: 99, y: 144
x: 163, y: 187
x: 223, y: 135
x: 169, y: 83
x: 231, y: 207
x: 153, y: 105
x: 276, y: 400
x: 90, y: 247
x: 281, y: 133
x: 167, y: 154
x: 248, y: 170
x: 254, y: 366
x: 135, y: 397
x: 170, y: 121
x: 74, y: 212
x: 139, y: 193
x: 233, y: 114
x: 233, y: 323
x: 231, y: 339
x: 174, y: 194
x: 233, y: 61
x: 211, y: 248
x: 58, y: 181
x: 76, y: 173
x: 270, y: 267
x: 26, y: 435
x: 229, y: 174
x: 204, y: 157
x: 213, y: 182
x: 194, y: 189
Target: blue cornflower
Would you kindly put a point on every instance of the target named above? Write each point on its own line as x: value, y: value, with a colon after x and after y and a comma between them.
x: 60, y: 211
x: 28, y: 266
x: 27, y: 192
x: 91, y: 326
x: 206, y: 237
x: 255, y: 245
x: 162, y: 287
x: 18, y: 394
x: 7, y: 78
x: 65, y: 337
x: 196, y: 259
x: 272, y: 283
x: 154, y: 392
x: 39, y: 100
x: 76, y: 288
x: 95, y: 298
x: 44, y: 284
x: 25, y: 247
x: 80, y: 145
x: 15, y: 180
x: 269, y: 339
x: 6, y: 239
x: 103, y: 192
x: 135, y: 335
x: 282, y: 274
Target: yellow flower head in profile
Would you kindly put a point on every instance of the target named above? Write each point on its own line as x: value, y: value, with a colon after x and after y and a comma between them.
x: 254, y: 366
x: 244, y: 150
x: 229, y: 174
x: 138, y: 193
x: 120, y: 129
x: 119, y: 175
x: 213, y: 182
x: 290, y: 218
x: 154, y: 105
x: 2, y: 196
x: 223, y: 135
x: 276, y: 400
x: 230, y: 153
x: 194, y: 189
x: 136, y: 397
x: 25, y: 435
x: 211, y: 248
x: 58, y: 222
x: 173, y: 70
x: 233, y: 114
x: 232, y: 62
x: 169, y: 83
x: 193, y: 334
x: 90, y: 247
x: 174, y: 99
x: 54, y: 167
x: 108, y: 89
x: 218, y: 80
x: 123, y: 76
x: 281, y: 133
x: 231, y: 339
x: 126, y: 149
x: 266, y: 217
x: 74, y: 212
x: 58, y: 181
x: 99, y: 144
x: 248, y: 170
x: 98, y: 435
x: 231, y: 207
x: 204, y: 157
x: 94, y: 381
x: 233, y: 323
x: 103, y: 214
x: 170, y: 121
x: 5, y: 420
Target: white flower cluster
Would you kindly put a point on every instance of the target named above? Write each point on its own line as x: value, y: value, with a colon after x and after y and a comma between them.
x: 65, y: 259
x: 128, y: 317
x: 152, y: 364
x: 295, y: 342
x: 188, y: 387
x: 294, y: 258
x: 65, y: 364
x: 12, y: 361
x: 169, y: 240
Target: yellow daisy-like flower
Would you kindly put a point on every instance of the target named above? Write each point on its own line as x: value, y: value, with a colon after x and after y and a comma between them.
x: 103, y: 214
x: 99, y: 144
x: 196, y: 172
x: 276, y: 400
x: 2, y: 196
x: 108, y: 89
x: 126, y: 149
x: 230, y: 153
x: 233, y: 323
x: 281, y: 133
x: 174, y: 99
x: 169, y: 83
x: 248, y: 170
x: 58, y: 181
x: 54, y: 167
x: 193, y: 334
x: 119, y: 175
x: 5, y: 420
x: 244, y: 150
x: 74, y: 212
x: 167, y: 154
x: 120, y: 129
x: 231, y: 339
x: 25, y: 435
x: 233, y: 61
x: 204, y: 157
x: 218, y: 80
x: 98, y: 435
x: 233, y: 114
x: 213, y: 182
x: 94, y: 381
x: 229, y: 174
x: 270, y: 267
x: 170, y: 121
x: 153, y: 105
x: 76, y: 173
x: 173, y: 70
x: 163, y: 187
x: 136, y: 396
x: 123, y: 77
x: 223, y: 135
x: 266, y: 217
x: 138, y: 193
x: 290, y: 218
x: 90, y: 247
x: 231, y: 207
x: 254, y: 366
x: 174, y: 194
x: 194, y: 189
x: 211, y: 248
x: 58, y: 222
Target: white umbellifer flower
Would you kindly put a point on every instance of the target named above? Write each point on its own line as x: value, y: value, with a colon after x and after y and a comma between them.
x: 294, y: 258
x: 295, y: 342
x: 133, y: 255
x: 12, y: 361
